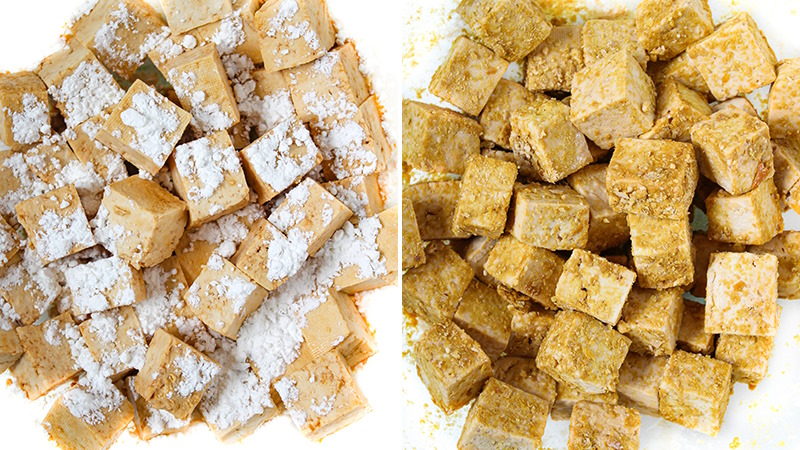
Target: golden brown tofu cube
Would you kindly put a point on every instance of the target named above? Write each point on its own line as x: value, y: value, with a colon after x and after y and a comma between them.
x: 554, y: 217
x: 662, y: 251
x: 484, y: 315
x: 692, y: 336
x: 495, y: 118
x: 651, y: 319
x: 613, y: 99
x: 786, y: 159
x: 268, y: 256
x: 104, y: 284
x: 10, y: 347
x: 734, y: 150
x: 568, y: 396
x: 24, y: 109
x: 528, y: 329
x: 639, y: 378
x: 682, y: 69
x: 704, y: 247
x: 475, y: 253
x: 582, y: 351
x: 522, y: 373
x: 485, y: 194
x: 360, y: 193
x: 665, y: 28
x: 591, y: 284
x: 652, y: 178
x: 452, y: 377
x: 435, y: 205
x: 607, y: 228
x: 742, y: 293
x: 598, y: 425
x: 556, y: 60
x: 433, y: 290
x: 183, y: 15
x: 337, y: 323
x: 602, y: 37
x: 786, y: 247
x: 115, y: 339
x: 679, y: 108
x: 735, y: 59
x: 436, y: 139
x: 753, y: 218
x: 694, y: 392
x: 413, y: 250
x: 748, y: 355
x: 511, y: 28
x: 783, y: 106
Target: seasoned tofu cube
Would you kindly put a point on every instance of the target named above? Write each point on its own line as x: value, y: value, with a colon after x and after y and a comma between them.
x: 223, y: 296
x: 28, y: 288
x: 511, y: 28
x: 651, y: 319
x: 679, y: 108
x: 639, y: 378
x: 268, y: 256
x: 174, y: 376
x: 377, y: 236
x: 108, y: 164
x: 748, y: 355
x: 568, y: 396
x: 435, y: 205
x: 9, y: 243
x: 413, y: 250
x: 607, y: 228
x: 484, y: 315
x: 652, y: 178
x: 104, y: 284
x: 504, y: 416
x: 293, y: 32
x: 495, y: 118
x: 613, y: 99
x: 434, y: 289
x: 530, y: 270
x: 662, y: 251
x: 734, y: 150
x: 742, y: 293
x: 582, y: 351
x: 786, y: 159
x: 554, y: 217
x: 786, y: 247
x: 735, y: 59
x: 436, y: 139
x: 183, y: 15
x: 752, y: 218
x: 602, y: 37
x: 486, y: 188
x: 522, y: 373
x: 146, y: 222
x: 704, y: 247
x: 591, y: 284
x: 453, y: 377
x: 682, y: 69
x: 151, y: 422
x: 115, y: 339
x: 783, y: 105
x: 56, y: 224
x: 666, y: 28
x: 547, y: 146
x: 24, y: 110
x: 48, y: 161
x: 556, y: 60
x: 598, y: 425
x: 694, y: 392
x: 361, y: 194
x: 528, y: 329
x: 476, y: 253
x: 336, y: 323
x: 322, y: 397
x: 692, y: 336
x: 10, y: 347
x: 737, y: 102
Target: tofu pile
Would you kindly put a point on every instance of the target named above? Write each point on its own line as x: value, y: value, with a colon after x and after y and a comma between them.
x: 547, y: 227
x: 187, y: 209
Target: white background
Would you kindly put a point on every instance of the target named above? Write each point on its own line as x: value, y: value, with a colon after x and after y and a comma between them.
x: 764, y: 418
x: 29, y: 31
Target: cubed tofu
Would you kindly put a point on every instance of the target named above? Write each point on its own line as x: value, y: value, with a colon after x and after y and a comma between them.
x: 24, y: 110
x: 108, y: 164
x: 476, y: 253
x: 734, y: 150
x: 742, y: 293
x: 679, y: 108
x: 651, y: 319
x: 582, y: 351
x: 56, y: 224
x: 528, y: 329
x: 147, y: 221
x: 436, y: 139
x: 783, y: 105
x: 504, y: 416
x: 104, y: 284
x: 694, y: 392
x: 546, y: 145
x: 336, y: 323
x: 598, y: 425
x: 753, y: 218
x: 434, y: 289
x: 115, y: 339
x: 268, y: 256
x: 27, y: 288
x: 593, y: 285
x: 682, y: 69
x: 735, y: 59
x: 652, y: 178
x: 737, y: 102
x: 495, y: 118
x: 151, y: 422
x: 10, y: 347
x: 602, y: 37
x: 183, y: 15
x: 666, y: 28
x: 692, y: 336
x: 556, y: 60
x: 786, y: 247
x: 704, y: 247
x: 49, y: 160
x: 607, y: 228
x: 639, y: 378
x: 413, y: 250
x: 378, y: 236
x: 9, y: 243
x: 662, y: 251
x: 786, y: 159
x: 522, y: 373
x: 554, y: 217
x: 511, y: 28
x: 435, y: 205
x: 613, y: 99
x: 748, y: 355
x: 484, y: 315
x: 361, y: 194
x: 174, y: 376
x: 484, y: 197
x: 568, y: 396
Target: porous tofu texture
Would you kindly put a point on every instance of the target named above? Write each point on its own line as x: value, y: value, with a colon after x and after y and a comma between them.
x: 694, y: 392
x: 598, y: 425
x: 662, y: 251
x: 484, y: 315
x: 639, y: 378
x: 607, y: 228
x: 495, y: 118
x: 752, y: 218
x: 602, y: 37
x: 667, y: 27
x: 613, y: 99
x: 486, y: 188
x: 511, y: 28
x: 555, y: 61
x: 679, y: 108
x: 786, y: 247
x: 652, y: 178
x: 581, y: 351
x: 651, y: 319
x: 742, y: 293
x: 434, y: 289
x: 554, y: 217
x: 784, y: 106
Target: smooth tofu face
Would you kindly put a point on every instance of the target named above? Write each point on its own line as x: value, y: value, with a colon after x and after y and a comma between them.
x: 277, y: 23
x: 485, y: 194
x: 679, y: 108
x: 785, y: 247
x: 435, y: 204
x: 694, y: 392
x: 551, y: 217
x: 104, y: 284
x: 434, y: 289
x: 639, y: 378
x: 413, y: 251
x: 511, y: 28
x: 692, y: 336
x: 528, y: 330
x: 602, y: 37
x: 522, y: 373
x: 748, y: 355
x: 666, y: 28
x: 556, y: 60
x: 662, y: 251
x: 753, y: 218
x: 24, y: 110
x: 735, y: 59
x: 184, y: 15
x: 597, y: 425
x: 651, y: 320
x: 530, y: 270
x: 568, y: 396
x: 71, y: 432
x: 484, y: 315
x: 115, y: 338
x: 783, y: 107
x: 741, y: 295
x: 607, y: 228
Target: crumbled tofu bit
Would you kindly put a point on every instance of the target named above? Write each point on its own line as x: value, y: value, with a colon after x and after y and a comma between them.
x: 152, y: 124
x: 86, y: 92
x: 272, y: 160
x: 207, y: 164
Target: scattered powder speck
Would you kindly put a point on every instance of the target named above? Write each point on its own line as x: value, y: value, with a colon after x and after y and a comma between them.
x: 86, y: 92
x: 29, y: 185
x: 207, y: 164
x: 291, y: 212
x: 8, y: 316
x: 287, y: 389
x: 33, y: 122
x: 354, y: 200
x: 100, y: 285
x: 38, y: 278
x: 57, y: 235
x: 282, y: 26
x: 230, y: 34
x: 152, y: 124
x: 274, y: 156
x: 215, y: 262
x: 324, y: 406
x: 208, y: 117
x: 105, y: 325
x: 109, y: 43
x: 195, y: 373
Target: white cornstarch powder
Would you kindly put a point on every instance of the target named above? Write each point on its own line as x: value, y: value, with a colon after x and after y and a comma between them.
x: 27, y: 184
x: 354, y: 200
x: 208, y: 117
x: 284, y: 23
x: 206, y: 165
x: 152, y: 124
x: 100, y: 285
x: 57, y: 235
x: 291, y: 212
x: 195, y: 373
x: 33, y: 122
x: 109, y: 43
x: 8, y: 316
x: 275, y: 157
x: 287, y: 389
x: 86, y: 92
x: 286, y: 254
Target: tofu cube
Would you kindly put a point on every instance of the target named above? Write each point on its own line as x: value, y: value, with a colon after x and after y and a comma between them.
x: 679, y: 108
x: 511, y: 28
x: 147, y: 221
x: 602, y: 37
x: 279, y: 159
x: 24, y: 110
x: 613, y: 99
x: 27, y: 288
x: 692, y: 336
x: 682, y: 69
x: 753, y: 218
x: 583, y: 352
x: 453, y: 377
x: 476, y: 253
x: 495, y: 118
x: 104, y: 284
x: 607, y: 228
x: 9, y: 243
x: 174, y: 376
x: 56, y: 224
x: 639, y: 378
x: 568, y: 396
x: 484, y: 315
x: 115, y: 339
x: 434, y: 289
x: 598, y: 425
x: 551, y: 217
x: 694, y: 392
x: 528, y: 329
x: 293, y: 33
x: 662, y: 251
x: 485, y: 194
x: 734, y: 150
x: 667, y: 28
x: 435, y: 204
x: 737, y: 40
x: 523, y: 374
x: 704, y: 247
x: 786, y: 247
x: 556, y: 60
x: 652, y: 178
x: 48, y: 161
x: 10, y: 347
x: 783, y: 106
x: 651, y: 319
x: 353, y: 278
x: 269, y: 268
x: 436, y: 139
x: 413, y: 250
x: 748, y: 355
x: 361, y: 194
x: 593, y: 285
x: 336, y: 323
x: 108, y: 164
x: 742, y: 293
x: 547, y: 146
x: 184, y: 15
x: 786, y: 159
x: 151, y: 422
x: 737, y: 102
x: 504, y: 415
x: 322, y: 397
